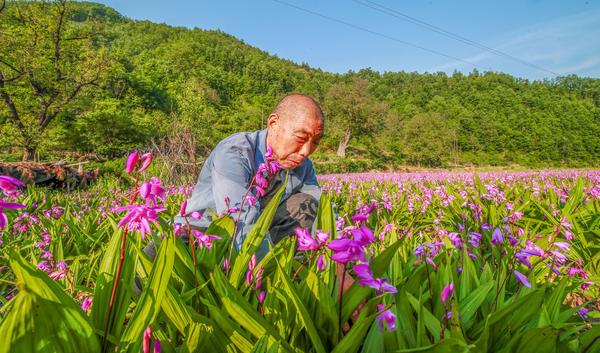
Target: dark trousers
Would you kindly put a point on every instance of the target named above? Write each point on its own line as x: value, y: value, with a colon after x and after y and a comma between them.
x: 299, y: 210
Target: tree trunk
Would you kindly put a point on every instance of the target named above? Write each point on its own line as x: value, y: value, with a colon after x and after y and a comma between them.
x: 344, y: 143
x: 28, y: 153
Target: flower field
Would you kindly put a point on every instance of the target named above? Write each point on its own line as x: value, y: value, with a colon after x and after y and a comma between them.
x: 428, y: 262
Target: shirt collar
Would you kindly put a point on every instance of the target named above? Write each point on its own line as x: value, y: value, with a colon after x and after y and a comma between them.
x: 262, y: 146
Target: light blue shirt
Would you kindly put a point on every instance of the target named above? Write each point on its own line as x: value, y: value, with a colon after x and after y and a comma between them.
x: 227, y: 173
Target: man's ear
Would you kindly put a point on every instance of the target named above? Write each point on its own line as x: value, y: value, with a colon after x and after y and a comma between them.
x: 273, y: 119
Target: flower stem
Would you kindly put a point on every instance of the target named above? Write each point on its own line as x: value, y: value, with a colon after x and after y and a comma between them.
x: 113, y: 295
x: 132, y: 196
x: 312, y: 256
x: 341, y: 299
x: 192, y: 241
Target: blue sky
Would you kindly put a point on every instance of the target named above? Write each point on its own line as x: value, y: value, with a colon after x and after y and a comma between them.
x: 552, y: 36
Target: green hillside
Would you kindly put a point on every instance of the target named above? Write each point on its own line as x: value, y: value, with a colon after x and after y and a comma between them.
x: 118, y: 84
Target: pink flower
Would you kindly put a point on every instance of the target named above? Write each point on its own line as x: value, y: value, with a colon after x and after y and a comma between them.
x: 204, y: 240
x: 252, y: 262
x: 87, y: 303
x: 261, y: 296
x: 131, y: 162
x: 321, y: 263
x: 388, y: 317
x: 447, y: 292
x: 196, y: 215
x: 150, y: 191
x: 139, y: 217
x: 182, y: 208
x: 9, y: 185
x: 8, y: 206
x: 145, y: 161
x: 147, y: 339
x: 307, y: 242
x: 260, y: 192
x: 250, y: 199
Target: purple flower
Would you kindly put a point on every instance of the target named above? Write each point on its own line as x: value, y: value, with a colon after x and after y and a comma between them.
x: 522, y: 278
x: 9, y: 206
x: 474, y: 239
x: 456, y: 240
x: 363, y: 235
x: 366, y: 279
x: 261, y: 296
x: 388, y: 316
x: 583, y: 313
x: 447, y: 292
x: 139, y: 217
x: 156, y: 346
x: 9, y: 185
x: 562, y: 245
x: 497, y: 237
x: 523, y: 258
x: 346, y: 250
x: 131, y: 162
x: 360, y: 217
x: 420, y: 251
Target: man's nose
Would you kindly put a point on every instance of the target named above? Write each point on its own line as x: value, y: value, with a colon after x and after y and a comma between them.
x: 305, y: 150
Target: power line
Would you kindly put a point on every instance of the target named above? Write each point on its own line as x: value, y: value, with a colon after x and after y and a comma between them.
x: 402, y: 16
x: 383, y: 35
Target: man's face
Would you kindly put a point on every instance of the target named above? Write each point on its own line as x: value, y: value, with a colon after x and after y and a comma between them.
x: 294, y: 139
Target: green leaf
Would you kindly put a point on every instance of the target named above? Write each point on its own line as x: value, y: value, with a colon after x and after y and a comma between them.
x: 255, y: 237
x: 41, y: 301
x: 150, y: 302
x: 241, y: 311
x: 354, y: 339
x: 448, y: 345
x: 196, y: 337
x: 104, y: 285
x: 306, y: 320
x: 326, y: 216
x: 431, y: 322
x: 469, y: 306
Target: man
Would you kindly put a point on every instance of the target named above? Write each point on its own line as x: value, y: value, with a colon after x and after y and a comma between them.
x: 294, y: 130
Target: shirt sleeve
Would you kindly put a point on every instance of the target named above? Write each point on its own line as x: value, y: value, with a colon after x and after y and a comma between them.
x: 231, y: 175
x: 310, y: 185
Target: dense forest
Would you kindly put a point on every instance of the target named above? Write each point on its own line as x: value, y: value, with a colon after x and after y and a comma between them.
x: 80, y: 80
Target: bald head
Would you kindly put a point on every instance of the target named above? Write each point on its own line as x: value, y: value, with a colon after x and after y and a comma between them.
x: 297, y: 105
x: 295, y: 129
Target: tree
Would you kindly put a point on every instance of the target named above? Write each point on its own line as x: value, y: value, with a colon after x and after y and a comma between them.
x: 351, y: 109
x: 428, y: 139
x: 47, y: 63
